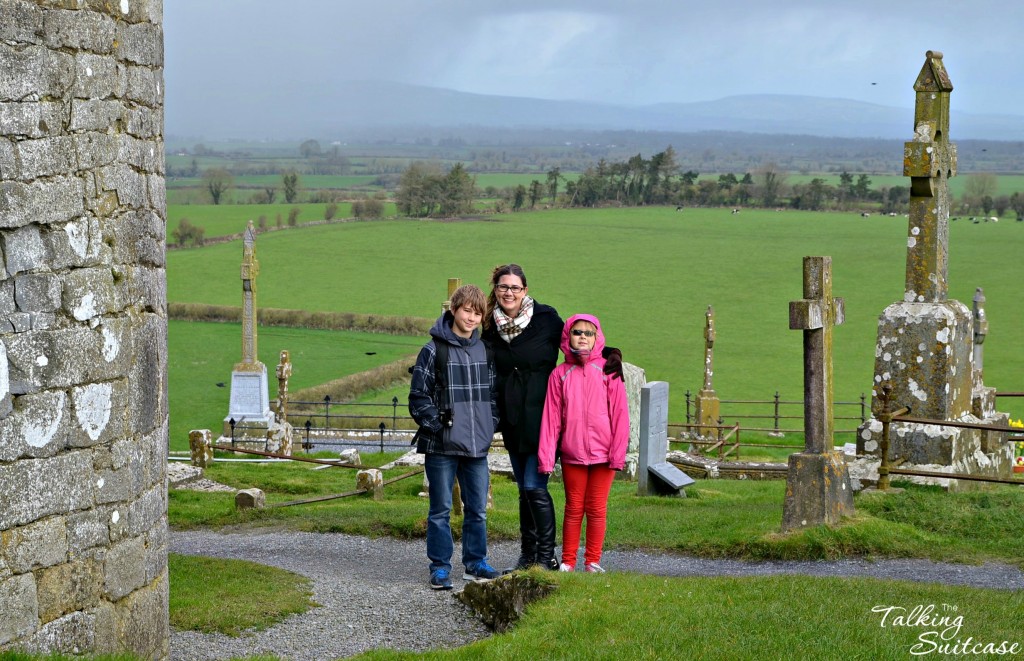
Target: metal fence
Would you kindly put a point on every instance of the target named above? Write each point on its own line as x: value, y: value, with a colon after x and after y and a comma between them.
x: 777, y: 412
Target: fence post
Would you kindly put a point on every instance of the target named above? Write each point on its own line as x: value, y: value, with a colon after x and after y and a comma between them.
x: 307, y: 445
x: 776, y: 411
x: 687, y: 408
x: 382, y: 427
x: 394, y: 413
x: 863, y: 409
x: 721, y: 445
x: 327, y: 411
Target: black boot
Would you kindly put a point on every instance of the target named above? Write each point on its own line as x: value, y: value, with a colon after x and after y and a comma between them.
x: 544, y: 516
x: 528, y: 533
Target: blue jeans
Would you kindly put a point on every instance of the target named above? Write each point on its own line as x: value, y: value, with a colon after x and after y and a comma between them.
x: 474, y: 478
x: 524, y: 467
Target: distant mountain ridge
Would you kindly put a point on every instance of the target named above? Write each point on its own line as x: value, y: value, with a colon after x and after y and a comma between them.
x: 297, y: 110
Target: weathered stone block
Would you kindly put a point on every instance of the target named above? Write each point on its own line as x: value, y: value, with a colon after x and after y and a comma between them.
x: 95, y: 77
x: 18, y: 120
x: 139, y: 239
x: 71, y: 634
x: 37, y: 292
x: 351, y: 457
x: 97, y: 408
x: 18, y: 607
x: 924, y: 352
x: 501, y: 602
x: 54, y: 200
x: 75, y: 244
x: 141, y: 43
x: 371, y: 481
x: 817, y: 490
x: 36, y: 427
x: 144, y: 122
x: 141, y: 621
x: 9, y: 168
x: 79, y: 30
x: 59, y: 484
x: 95, y: 114
x: 67, y: 587
x: 250, y: 499
x: 129, y: 185
x: 147, y: 511
x: 155, y: 562
x: 148, y: 403
x: 200, y: 443
x: 44, y: 157
x: 40, y: 544
x: 60, y: 359
x: 34, y: 72
x: 86, y: 530
x: 24, y: 249
x: 142, y: 85
x: 89, y: 293
x: 23, y: 22
x: 95, y: 149
x: 123, y: 568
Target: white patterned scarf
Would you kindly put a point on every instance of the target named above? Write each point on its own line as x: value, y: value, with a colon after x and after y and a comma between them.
x: 508, y: 327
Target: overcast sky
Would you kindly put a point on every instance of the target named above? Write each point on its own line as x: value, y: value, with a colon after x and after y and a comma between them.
x: 622, y: 51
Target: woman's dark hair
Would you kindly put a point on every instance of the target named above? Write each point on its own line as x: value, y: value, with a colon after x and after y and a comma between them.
x: 496, y: 275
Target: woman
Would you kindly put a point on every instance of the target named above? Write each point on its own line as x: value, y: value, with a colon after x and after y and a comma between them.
x: 525, y: 337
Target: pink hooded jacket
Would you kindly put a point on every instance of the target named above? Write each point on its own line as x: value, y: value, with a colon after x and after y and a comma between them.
x: 586, y: 416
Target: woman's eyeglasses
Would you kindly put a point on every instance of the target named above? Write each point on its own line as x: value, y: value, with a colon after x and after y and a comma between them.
x: 515, y: 289
x: 580, y: 332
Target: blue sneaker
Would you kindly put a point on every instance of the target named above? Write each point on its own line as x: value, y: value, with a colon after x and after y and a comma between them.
x: 481, y: 572
x: 440, y: 580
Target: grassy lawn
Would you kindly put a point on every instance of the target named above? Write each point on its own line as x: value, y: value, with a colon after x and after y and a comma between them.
x: 201, y: 355
x: 611, y: 616
x: 650, y: 274
x: 719, y: 519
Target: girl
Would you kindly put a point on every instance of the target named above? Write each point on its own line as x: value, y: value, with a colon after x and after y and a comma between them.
x: 585, y: 422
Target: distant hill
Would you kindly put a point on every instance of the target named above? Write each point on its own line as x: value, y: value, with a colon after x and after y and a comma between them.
x: 298, y: 111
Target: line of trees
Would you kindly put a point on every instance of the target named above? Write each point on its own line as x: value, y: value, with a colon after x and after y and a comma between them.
x: 425, y: 189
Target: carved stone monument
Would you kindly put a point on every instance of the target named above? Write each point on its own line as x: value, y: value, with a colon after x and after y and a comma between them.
x: 250, y: 398
x: 284, y: 372
x: 924, y: 349
x: 708, y: 404
x: 818, y: 484
x: 655, y: 475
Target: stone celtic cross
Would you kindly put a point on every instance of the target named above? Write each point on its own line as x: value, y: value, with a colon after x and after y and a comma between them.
x: 815, y: 315
x: 709, y: 343
x: 929, y: 160
x: 250, y: 269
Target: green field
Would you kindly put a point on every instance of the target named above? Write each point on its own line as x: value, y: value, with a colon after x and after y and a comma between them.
x: 227, y: 219
x: 201, y: 355
x: 649, y: 274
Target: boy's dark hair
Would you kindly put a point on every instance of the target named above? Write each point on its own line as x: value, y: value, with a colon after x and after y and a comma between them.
x: 470, y: 295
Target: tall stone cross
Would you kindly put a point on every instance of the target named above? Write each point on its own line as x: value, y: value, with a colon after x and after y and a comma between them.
x: 818, y: 482
x: 709, y: 343
x: 816, y: 314
x: 980, y: 331
x: 708, y: 404
x: 929, y: 160
x: 453, y: 284
x: 250, y: 269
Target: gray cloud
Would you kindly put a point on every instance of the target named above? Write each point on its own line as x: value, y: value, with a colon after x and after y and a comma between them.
x: 643, y: 51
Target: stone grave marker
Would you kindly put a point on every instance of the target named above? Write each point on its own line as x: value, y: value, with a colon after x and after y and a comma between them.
x: 818, y: 484
x: 655, y: 475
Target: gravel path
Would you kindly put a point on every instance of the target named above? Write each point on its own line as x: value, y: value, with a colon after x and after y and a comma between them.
x: 373, y: 593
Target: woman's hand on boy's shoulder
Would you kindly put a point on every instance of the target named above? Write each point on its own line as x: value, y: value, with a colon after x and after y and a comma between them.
x: 613, y: 362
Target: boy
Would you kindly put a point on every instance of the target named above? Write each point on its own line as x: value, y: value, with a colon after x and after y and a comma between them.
x: 457, y: 419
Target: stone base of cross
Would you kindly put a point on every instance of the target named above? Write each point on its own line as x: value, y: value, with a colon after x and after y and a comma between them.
x: 817, y: 490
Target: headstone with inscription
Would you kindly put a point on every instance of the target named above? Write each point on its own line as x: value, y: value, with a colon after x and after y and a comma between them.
x: 655, y: 475
x: 250, y: 399
x: 818, y: 483
x: 924, y: 348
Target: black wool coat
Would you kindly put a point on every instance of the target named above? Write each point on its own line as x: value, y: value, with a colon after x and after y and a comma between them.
x: 523, y: 367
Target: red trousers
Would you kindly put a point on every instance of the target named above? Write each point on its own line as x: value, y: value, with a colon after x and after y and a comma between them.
x: 586, y: 492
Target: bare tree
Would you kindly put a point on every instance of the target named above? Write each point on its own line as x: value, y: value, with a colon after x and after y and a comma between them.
x: 217, y: 182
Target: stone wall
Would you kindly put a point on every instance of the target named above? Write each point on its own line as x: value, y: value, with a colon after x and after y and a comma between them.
x: 83, y: 397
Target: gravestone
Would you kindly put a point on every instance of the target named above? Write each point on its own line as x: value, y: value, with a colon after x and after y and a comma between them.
x: 818, y: 483
x: 250, y: 399
x: 200, y: 444
x: 634, y: 377
x: 924, y: 348
x: 655, y: 475
x: 83, y: 330
x: 708, y: 404
x: 284, y: 372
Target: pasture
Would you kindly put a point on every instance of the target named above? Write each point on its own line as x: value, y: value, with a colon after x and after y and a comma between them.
x: 648, y: 273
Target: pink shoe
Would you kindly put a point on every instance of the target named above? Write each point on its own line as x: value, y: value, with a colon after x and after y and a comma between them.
x: 565, y: 567
x: 594, y: 568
